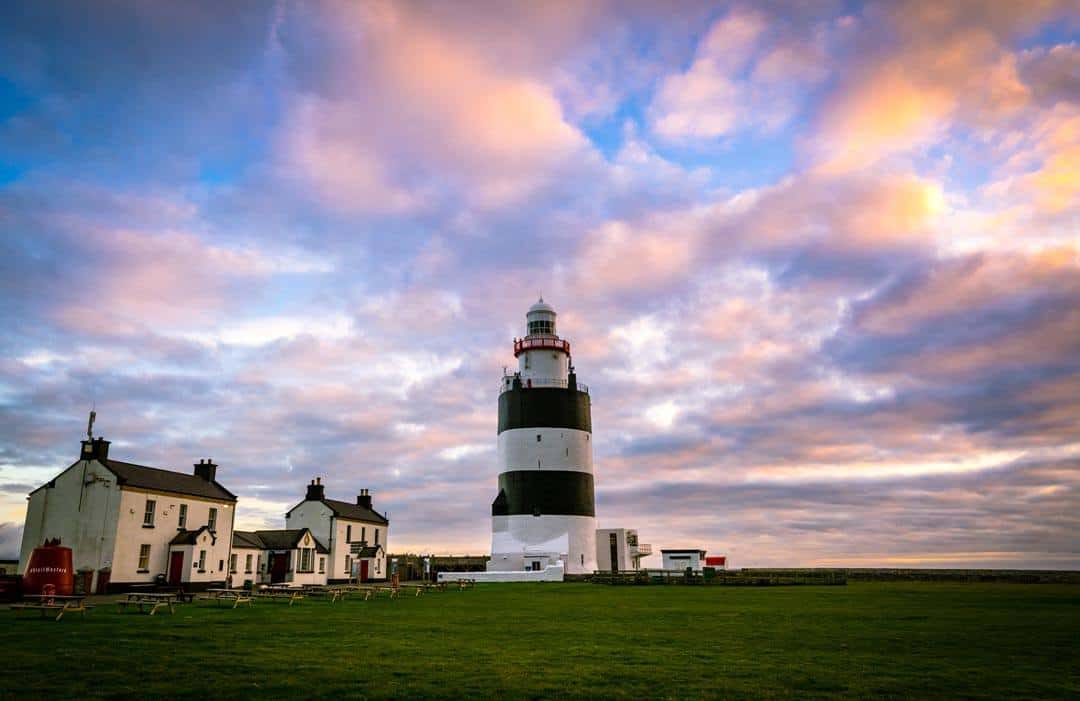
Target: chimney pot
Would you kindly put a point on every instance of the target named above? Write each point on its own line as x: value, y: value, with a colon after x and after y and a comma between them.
x: 315, y: 491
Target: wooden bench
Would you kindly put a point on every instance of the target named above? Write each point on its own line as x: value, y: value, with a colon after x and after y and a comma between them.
x: 60, y: 604
x: 154, y: 601
x: 236, y: 596
x: 291, y: 597
x: 419, y: 588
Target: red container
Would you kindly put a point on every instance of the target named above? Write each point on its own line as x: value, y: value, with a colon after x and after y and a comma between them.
x: 50, y: 564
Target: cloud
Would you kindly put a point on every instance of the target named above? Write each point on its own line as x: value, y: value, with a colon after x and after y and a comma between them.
x: 926, y: 69
x: 743, y: 75
x: 395, y: 138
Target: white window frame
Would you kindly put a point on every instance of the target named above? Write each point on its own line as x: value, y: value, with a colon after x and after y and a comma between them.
x: 211, y: 519
x: 182, y: 521
x: 144, y: 557
x: 148, y: 515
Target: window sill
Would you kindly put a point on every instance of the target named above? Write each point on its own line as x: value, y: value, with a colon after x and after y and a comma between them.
x: 247, y: 571
x: 305, y: 571
x: 142, y: 571
x: 202, y: 571
x: 148, y: 525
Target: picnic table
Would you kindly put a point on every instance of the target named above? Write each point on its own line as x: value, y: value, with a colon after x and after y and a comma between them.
x: 236, y: 596
x: 277, y: 591
x: 153, y: 600
x: 331, y: 593
x: 420, y: 588
x: 372, y: 590
x: 52, y: 602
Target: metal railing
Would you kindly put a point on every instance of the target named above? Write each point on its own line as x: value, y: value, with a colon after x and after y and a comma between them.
x: 641, y: 549
x: 530, y: 382
x: 528, y: 343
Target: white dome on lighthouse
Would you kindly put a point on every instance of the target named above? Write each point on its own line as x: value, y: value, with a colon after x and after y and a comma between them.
x: 541, y: 306
x: 540, y: 319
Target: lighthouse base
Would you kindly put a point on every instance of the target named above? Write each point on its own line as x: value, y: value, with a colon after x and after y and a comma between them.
x: 533, y: 543
x: 551, y: 573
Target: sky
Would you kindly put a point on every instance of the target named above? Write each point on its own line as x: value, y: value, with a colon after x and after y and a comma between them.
x: 819, y: 264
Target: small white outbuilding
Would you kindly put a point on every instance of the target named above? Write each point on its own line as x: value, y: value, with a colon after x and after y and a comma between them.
x: 681, y: 558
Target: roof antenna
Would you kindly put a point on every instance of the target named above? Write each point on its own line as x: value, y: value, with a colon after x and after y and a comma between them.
x: 90, y: 425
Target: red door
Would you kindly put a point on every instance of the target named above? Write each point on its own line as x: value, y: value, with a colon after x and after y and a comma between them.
x: 176, y: 568
x: 363, y: 570
x: 279, y: 564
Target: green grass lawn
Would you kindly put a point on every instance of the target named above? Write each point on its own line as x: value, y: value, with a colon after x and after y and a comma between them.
x: 888, y: 640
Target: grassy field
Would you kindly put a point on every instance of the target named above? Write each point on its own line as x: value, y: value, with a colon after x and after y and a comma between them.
x: 883, y: 640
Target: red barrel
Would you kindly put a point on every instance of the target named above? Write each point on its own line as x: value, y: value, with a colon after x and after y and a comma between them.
x: 50, y: 564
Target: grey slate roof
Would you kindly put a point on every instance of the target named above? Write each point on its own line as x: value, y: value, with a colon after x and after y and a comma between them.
x: 188, y: 537
x: 247, y: 539
x: 355, y: 512
x: 158, y: 480
x: 275, y: 540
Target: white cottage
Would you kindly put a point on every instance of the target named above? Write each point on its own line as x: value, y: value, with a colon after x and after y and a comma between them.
x: 293, y: 556
x: 354, y: 533
x: 121, y: 521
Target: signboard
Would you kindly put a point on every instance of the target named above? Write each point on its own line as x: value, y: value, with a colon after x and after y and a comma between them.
x: 355, y: 548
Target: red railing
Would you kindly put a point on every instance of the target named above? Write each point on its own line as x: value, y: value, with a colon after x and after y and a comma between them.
x: 553, y: 342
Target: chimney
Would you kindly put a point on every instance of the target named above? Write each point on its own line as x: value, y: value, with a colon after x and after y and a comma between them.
x: 363, y: 499
x: 95, y: 449
x: 316, y: 491
x: 206, y: 469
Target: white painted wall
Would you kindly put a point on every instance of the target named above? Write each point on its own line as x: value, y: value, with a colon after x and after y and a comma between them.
x: 540, y: 364
x: 81, y: 510
x: 557, y: 449
x: 682, y: 560
x: 318, y: 517
x: 570, y: 538
x: 551, y: 573
x: 131, y: 534
x: 241, y: 573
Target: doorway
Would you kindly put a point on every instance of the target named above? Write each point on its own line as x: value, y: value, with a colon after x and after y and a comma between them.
x: 279, y: 563
x: 176, y: 568
x: 613, y: 541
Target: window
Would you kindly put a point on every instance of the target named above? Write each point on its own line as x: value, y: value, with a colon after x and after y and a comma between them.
x: 211, y: 521
x: 376, y: 536
x: 232, y: 563
x: 144, y: 557
x: 348, y: 534
x: 363, y: 533
x: 247, y: 564
x: 348, y: 565
x: 183, y: 516
x: 322, y: 565
x: 536, y: 565
x: 306, y: 559
x: 148, y: 515
x: 202, y: 560
x: 543, y: 326
x: 221, y: 565
x: 538, y: 438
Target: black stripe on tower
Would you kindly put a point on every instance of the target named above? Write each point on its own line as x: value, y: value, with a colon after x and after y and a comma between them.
x: 544, y: 407
x: 545, y: 493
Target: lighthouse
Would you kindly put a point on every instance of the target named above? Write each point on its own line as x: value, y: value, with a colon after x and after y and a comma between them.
x: 544, y: 513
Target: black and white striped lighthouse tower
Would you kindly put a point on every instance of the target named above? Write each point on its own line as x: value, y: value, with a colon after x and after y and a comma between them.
x: 545, y: 510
